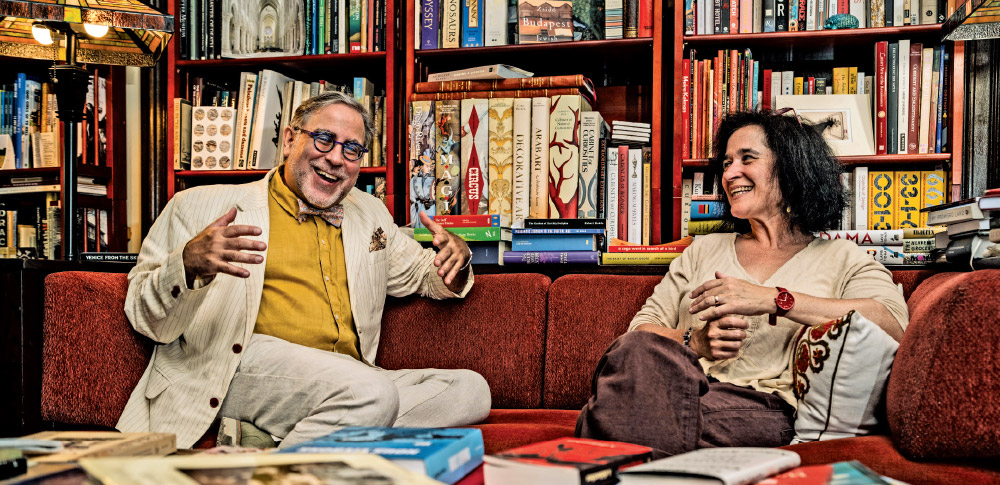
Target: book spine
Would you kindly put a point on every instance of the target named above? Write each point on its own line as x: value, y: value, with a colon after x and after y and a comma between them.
x: 590, y: 125
x: 881, y: 96
x: 769, y: 17
x: 520, y: 204
x: 472, y: 23
x: 701, y: 209
x: 450, y: 23
x: 781, y: 15
x: 866, y: 238
x: 638, y: 258
x: 551, y: 257
x: 689, y: 17
x: 913, y: 115
x: 614, y: 21
x: 623, y: 191
x: 861, y: 197
x: 468, y: 220
x: 474, y: 152
x: 507, y: 93
x: 925, y: 98
x: 881, y: 207
x: 555, y: 243
x: 245, y: 122
x: 704, y: 227
x: 565, y: 81
x: 422, y: 234
x: 857, y: 9
x: 635, y: 195
x: 592, y: 226
x: 639, y: 248
x: 611, y: 213
x: 631, y: 19
x: 602, y: 173
x: 933, y: 190
x: 647, y: 192
x: 538, y: 199
x: 495, y: 23
x: 448, y: 166
x: 932, y: 115
x: 892, y: 98
x: 903, y: 103
x: 564, y: 155
x: 501, y: 173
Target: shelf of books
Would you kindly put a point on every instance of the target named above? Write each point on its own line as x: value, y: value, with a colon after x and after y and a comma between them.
x: 31, y: 142
x: 875, y: 74
x: 238, y: 76
x: 522, y: 116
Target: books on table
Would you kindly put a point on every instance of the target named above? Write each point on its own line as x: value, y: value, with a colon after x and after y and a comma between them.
x: 69, y: 446
x: 252, y: 468
x: 564, y: 461
x: 445, y: 454
x: 726, y: 466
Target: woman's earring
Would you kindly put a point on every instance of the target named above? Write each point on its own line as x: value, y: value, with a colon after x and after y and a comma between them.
x: 788, y: 209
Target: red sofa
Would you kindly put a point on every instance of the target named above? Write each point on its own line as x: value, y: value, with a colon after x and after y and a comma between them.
x: 537, y: 341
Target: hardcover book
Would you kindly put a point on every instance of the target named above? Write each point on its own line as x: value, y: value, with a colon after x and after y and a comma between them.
x: 501, y: 158
x: 212, y: 138
x: 591, y: 129
x: 551, y: 257
x: 564, y: 154
x: 522, y: 161
x: 448, y: 170
x: 882, y: 201
x: 542, y: 21
x: 907, y: 185
x: 235, y: 44
x: 728, y: 466
x: 473, y: 14
x: 538, y: 198
x: 565, y: 460
x: 422, y: 160
x: 69, y: 446
x: 445, y: 454
x: 475, y: 159
x: 253, y: 468
x: 266, y: 119
x: 492, y: 71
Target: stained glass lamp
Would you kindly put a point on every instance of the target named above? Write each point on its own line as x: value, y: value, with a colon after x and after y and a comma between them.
x: 974, y: 20
x: 74, y: 32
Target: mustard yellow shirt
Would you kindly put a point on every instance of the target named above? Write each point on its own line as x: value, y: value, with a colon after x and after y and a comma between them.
x: 305, y: 299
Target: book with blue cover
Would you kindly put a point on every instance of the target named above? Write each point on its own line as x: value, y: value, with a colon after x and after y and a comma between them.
x: 444, y: 454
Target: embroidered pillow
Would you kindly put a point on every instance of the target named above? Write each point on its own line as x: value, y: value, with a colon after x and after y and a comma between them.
x: 839, y: 377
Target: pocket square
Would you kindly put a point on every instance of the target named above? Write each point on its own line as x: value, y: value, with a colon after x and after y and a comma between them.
x: 378, y: 240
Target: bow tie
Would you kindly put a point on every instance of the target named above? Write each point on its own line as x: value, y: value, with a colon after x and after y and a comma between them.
x: 332, y: 216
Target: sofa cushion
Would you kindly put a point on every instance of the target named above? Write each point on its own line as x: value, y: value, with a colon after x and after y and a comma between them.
x: 504, y: 429
x: 877, y: 452
x: 586, y: 313
x: 944, y: 394
x: 839, y: 373
x: 498, y: 330
x: 92, y: 359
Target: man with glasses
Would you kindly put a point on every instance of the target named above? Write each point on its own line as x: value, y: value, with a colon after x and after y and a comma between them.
x: 270, y: 314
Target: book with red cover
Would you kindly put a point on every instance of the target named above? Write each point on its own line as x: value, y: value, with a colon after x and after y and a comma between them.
x: 881, y: 96
x: 564, y: 460
x: 468, y: 220
x: 564, y: 81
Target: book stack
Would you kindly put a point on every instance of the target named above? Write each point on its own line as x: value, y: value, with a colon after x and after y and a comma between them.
x: 969, y: 225
x: 630, y: 133
x: 623, y: 252
x: 704, y: 17
x: 557, y: 241
x: 481, y: 232
x: 910, y: 246
x: 701, y: 205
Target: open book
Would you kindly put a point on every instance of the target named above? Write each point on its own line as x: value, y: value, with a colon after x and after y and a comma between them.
x: 727, y: 466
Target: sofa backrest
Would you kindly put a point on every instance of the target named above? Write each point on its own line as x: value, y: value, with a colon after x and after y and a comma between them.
x: 91, y: 356
x: 943, y: 397
x: 498, y: 330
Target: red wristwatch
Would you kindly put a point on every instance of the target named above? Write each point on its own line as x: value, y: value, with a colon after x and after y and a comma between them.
x: 784, y: 301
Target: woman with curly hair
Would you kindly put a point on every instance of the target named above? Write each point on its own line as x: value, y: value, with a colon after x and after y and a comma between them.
x: 707, y: 360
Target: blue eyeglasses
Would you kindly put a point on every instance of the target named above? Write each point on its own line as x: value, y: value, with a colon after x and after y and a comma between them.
x: 324, y: 142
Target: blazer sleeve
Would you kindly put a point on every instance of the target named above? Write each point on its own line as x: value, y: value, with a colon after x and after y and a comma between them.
x: 412, y: 268
x: 159, y: 304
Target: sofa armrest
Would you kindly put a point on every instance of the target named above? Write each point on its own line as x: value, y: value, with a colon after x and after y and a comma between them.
x: 497, y: 330
x: 92, y: 359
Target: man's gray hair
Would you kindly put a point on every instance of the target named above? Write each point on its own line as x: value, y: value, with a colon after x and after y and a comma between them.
x: 322, y: 100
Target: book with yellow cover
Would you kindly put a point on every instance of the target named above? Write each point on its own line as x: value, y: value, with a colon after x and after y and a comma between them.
x: 933, y: 191
x: 881, y: 200
x: 638, y: 258
x: 907, y: 199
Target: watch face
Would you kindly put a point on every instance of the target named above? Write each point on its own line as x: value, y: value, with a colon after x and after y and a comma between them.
x: 785, y: 300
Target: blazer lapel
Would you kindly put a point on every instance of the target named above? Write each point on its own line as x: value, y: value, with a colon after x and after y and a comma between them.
x: 252, y: 210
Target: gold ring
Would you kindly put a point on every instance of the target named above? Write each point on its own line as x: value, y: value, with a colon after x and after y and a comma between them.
x: 716, y: 300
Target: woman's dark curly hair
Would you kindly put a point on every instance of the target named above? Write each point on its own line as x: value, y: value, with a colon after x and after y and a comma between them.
x: 805, y: 168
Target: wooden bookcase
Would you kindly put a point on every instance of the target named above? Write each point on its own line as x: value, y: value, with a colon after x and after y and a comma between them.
x: 792, y: 44
x: 380, y: 67
x: 112, y: 172
x: 627, y: 74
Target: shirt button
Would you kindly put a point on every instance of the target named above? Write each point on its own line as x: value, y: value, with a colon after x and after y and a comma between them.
x: 176, y: 291
x: 237, y: 348
x: 322, y: 241
x: 325, y: 277
x: 214, y: 402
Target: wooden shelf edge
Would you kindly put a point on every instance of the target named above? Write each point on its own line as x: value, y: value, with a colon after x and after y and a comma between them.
x: 82, y: 170
x: 814, y: 34
x: 555, y: 47
x: 252, y: 173
x: 856, y: 159
x: 230, y: 62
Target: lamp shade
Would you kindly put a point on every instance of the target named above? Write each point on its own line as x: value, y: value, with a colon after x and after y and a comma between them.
x: 974, y: 20
x: 137, y: 34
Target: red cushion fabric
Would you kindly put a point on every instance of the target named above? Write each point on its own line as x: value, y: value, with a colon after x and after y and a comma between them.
x: 91, y: 356
x: 498, y: 330
x: 910, y: 279
x: 586, y: 313
x: 944, y: 392
x: 509, y: 428
x: 877, y: 452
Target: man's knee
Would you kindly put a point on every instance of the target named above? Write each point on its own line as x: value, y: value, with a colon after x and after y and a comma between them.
x: 472, y: 394
x: 377, y: 403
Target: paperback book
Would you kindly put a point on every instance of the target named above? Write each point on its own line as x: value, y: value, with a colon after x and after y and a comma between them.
x: 565, y: 460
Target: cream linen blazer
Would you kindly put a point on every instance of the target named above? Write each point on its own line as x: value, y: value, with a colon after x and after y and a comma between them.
x: 201, y: 331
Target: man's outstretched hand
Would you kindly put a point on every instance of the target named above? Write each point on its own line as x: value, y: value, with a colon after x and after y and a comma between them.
x: 452, y: 254
x: 221, y: 243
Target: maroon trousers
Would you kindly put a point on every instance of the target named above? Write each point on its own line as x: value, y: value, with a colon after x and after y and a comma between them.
x: 651, y: 390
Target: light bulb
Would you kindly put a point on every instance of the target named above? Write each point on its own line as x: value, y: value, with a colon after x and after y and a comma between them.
x: 42, y: 34
x: 95, y: 31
